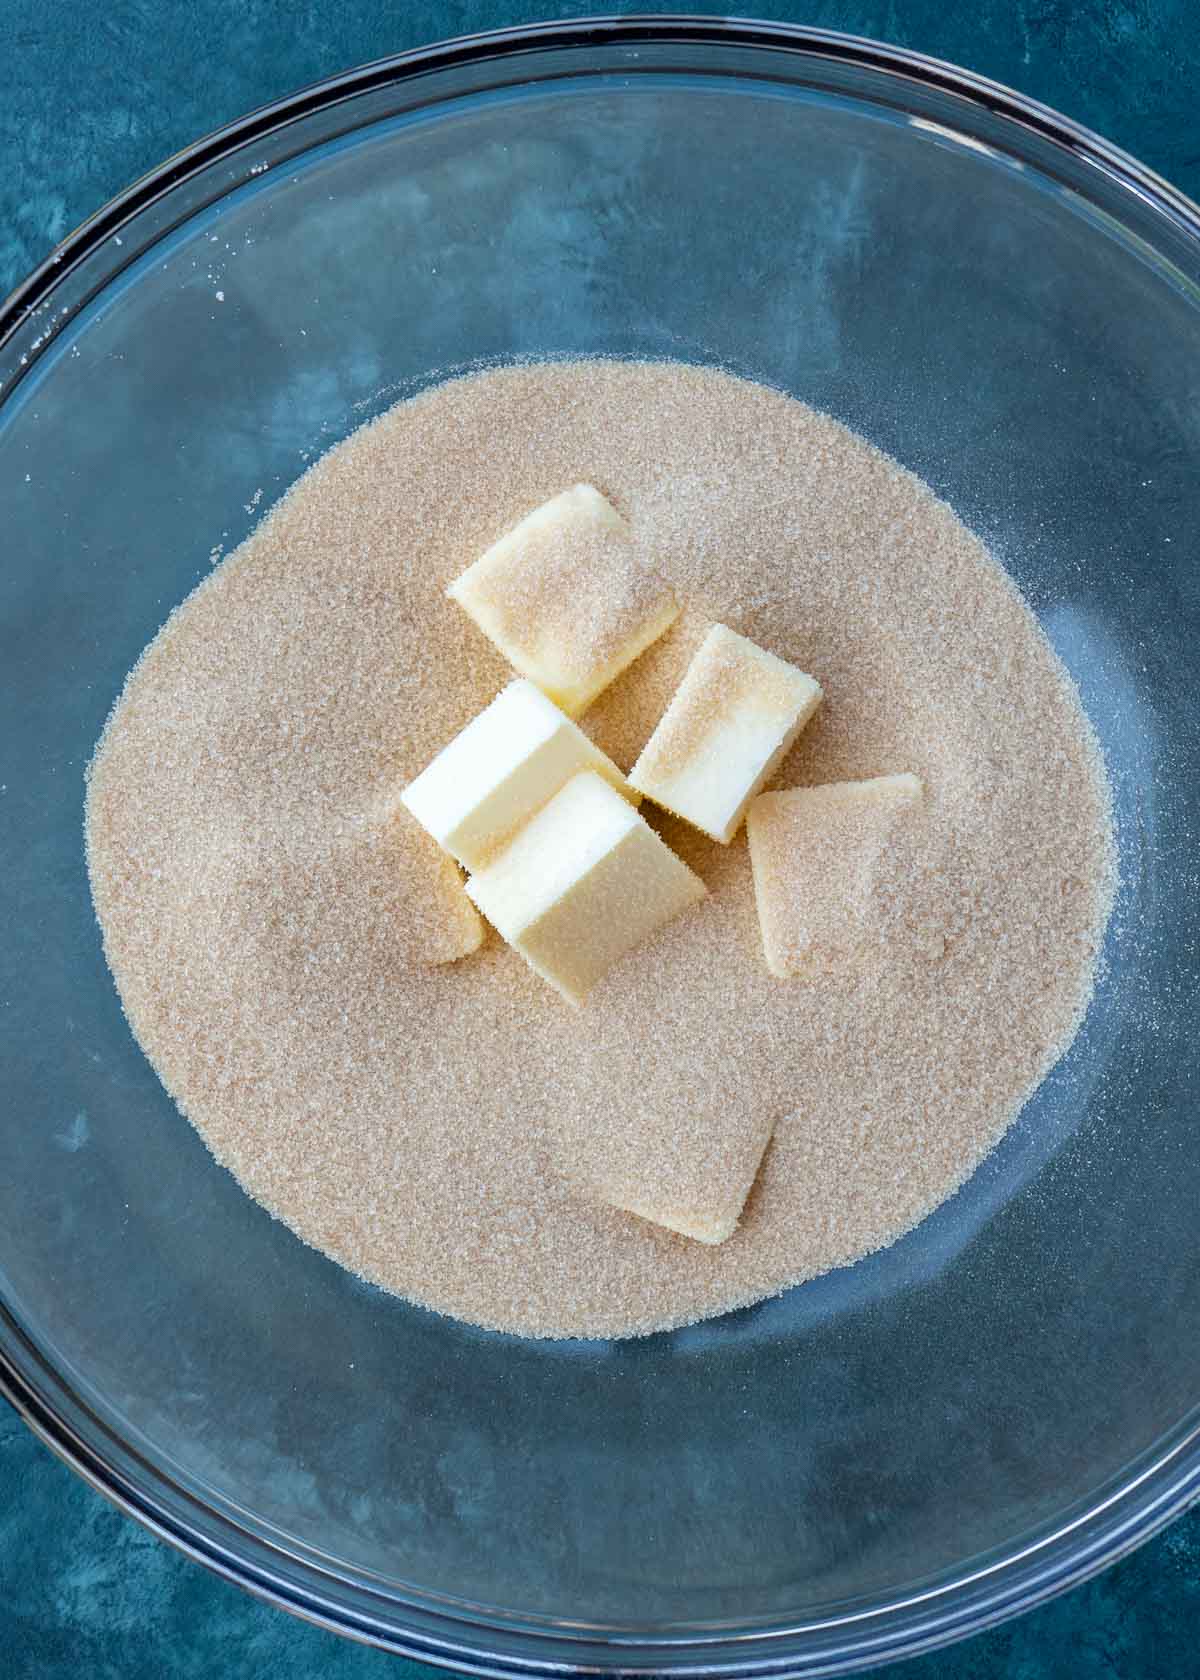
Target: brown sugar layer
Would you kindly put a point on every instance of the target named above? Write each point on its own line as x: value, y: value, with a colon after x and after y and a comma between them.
x: 283, y: 941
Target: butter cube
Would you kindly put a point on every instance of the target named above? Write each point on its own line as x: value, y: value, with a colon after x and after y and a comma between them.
x: 499, y: 770
x: 707, y: 1205
x: 566, y: 597
x: 732, y: 719
x: 582, y: 883
x: 815, y: 852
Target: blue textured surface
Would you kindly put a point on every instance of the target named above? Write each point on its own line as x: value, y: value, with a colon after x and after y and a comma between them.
x: 87, y: 101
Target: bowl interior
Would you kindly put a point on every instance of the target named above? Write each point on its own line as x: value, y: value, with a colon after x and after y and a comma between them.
x: 1003, y: 318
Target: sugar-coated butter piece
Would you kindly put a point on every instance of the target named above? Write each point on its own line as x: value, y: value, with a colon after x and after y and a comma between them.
x: 440, y: 924
x: 732, y: 719
x: 582, y: 883
x: 709, y: 1212
x: 814, y: 853
x: 502, y: 768
x: 566, y: 597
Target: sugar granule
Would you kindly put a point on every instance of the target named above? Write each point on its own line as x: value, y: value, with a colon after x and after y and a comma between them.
x: 281, y: 942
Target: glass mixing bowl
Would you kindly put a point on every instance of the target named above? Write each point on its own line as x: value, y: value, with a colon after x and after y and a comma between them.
x: 879, y: 1461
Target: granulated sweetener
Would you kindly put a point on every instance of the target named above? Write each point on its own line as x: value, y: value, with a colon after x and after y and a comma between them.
x: 278, y: 934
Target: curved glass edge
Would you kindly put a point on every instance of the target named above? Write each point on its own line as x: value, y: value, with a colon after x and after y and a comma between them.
x: 30, y: 319
x: 30, y: 305
x: 926, y: 1622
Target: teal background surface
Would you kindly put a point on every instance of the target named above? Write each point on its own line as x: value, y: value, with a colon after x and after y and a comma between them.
x: 89, y: 98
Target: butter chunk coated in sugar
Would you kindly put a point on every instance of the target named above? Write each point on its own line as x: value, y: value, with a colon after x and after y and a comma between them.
x: 498, y: 771
x: 583, y: 882
x: 567, y: 598
x: 732, y: 719
x: 815, y: 853
x: 706, y: 1207
x: 440, y: 920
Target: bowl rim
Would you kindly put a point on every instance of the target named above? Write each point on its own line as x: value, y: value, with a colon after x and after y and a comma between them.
x: 601, y: 29
x: 1151, y: 1492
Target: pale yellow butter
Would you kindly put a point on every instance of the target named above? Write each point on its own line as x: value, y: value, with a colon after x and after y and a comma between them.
x: 732, y: 719
x: 582, y: 883
x: 566, y: 597
x: 814, y: 852
x: 500, y: 770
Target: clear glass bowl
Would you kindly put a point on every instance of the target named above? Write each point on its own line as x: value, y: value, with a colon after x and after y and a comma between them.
x: 885, y: 1459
